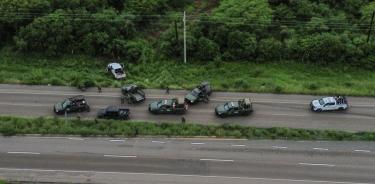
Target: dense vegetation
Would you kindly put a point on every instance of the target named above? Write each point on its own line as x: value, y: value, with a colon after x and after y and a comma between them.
x: 281, y: 77
x: 12, y: 126
x: 316, y: 31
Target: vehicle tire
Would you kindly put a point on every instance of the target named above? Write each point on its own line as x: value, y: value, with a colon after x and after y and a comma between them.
x: 341, y: 109
x: 318, y: 110
x: 88, y: 109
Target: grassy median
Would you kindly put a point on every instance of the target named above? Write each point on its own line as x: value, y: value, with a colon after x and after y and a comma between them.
x: 283, y: 77
x: 15, y: 125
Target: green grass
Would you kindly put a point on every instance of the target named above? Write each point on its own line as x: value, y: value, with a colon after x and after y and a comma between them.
x: 14, y: 125
x: 225, y: 76
x: 2, y: 182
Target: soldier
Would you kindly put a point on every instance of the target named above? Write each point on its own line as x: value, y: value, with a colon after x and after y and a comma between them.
x: 167, y: 91
x: 99, y: 89
x: 122, y: 99
x: 183, y: 120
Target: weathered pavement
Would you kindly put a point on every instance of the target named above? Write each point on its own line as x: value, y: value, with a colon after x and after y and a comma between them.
x: 271, y: 110
x: 197, y: 161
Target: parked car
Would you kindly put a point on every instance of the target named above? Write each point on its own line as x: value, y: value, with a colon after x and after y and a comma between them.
x: 168, y: 106
x: 133, y: 94
x: 199, y: 94
x: 113, y: 112
x: 329, y: 104
x: 235, y: 108
x: 117, y: 70
x: 73, y: 104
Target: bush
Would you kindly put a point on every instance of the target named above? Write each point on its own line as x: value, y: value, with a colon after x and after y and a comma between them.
x: 278, y: 89
x: 312, y: 86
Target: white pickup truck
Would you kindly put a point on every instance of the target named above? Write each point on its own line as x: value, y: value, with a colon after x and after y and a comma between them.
x: 329, y: 104
x: 117, y: 70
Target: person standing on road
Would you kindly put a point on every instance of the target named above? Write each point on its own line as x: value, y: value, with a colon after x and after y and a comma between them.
x: 167, y: 91
x: 99, y: 89
x: 183, y: 120
x: 122, y: 99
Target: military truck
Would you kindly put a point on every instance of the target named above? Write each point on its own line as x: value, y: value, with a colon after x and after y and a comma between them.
x: 113, y: 112
x: 133, y: 94
x: 73, y: 104
x: 199, y: 94
x: 234, y: 108
x: 168, y: 106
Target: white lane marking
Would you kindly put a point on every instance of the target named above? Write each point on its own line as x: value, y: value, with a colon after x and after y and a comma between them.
x: 159, y: 142
x: 279, y: 147
x: 182, y: 175
x: 238, y: 145
x: 121, y: 156
x: 311, y: 164
x: 20, y: 152
x: 76, y: 139
x: 197, y: 143
x: 322, y: 149
x: 365, y: 151
x: 215, y: 160
x: 117, y: 140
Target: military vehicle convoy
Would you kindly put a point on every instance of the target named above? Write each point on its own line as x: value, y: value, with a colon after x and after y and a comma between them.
x: 113, y: 112
x: 133, y: 94
x: 235, y: 108
x: 73, y: 104
x: 168, y: 106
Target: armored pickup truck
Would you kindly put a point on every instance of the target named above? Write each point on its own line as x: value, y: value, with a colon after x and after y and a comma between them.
x: 112, y: 112
x: 73, y: 104
x: 168, y: 106
x: 329, y: 104
x: 235, y: 108
x: 199, y: 94
x: 133, y: 94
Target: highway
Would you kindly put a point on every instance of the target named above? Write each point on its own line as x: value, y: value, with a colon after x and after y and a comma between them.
x: 271, y: 110
x: 157, y: 160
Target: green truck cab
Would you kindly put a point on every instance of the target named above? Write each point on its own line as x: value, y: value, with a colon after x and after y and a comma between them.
x: 168, y: 106
x: 242, y: 107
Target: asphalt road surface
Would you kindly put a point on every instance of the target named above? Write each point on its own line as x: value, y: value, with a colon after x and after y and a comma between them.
x: 147, y: 160
x: 271, y: 110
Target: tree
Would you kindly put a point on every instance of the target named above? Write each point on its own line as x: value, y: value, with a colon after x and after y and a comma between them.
x: 366, y: 12
x: 50, y: 34
x: 255, y: 14
x: 241, y: 46
x: 206, y: 49
x: 17, y: 13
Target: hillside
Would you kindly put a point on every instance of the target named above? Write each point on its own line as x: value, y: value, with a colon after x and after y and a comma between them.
x: 317, y: 31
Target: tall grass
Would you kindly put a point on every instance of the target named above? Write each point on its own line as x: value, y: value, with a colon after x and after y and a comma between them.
x: 14, y: 125
x: 284, y: 77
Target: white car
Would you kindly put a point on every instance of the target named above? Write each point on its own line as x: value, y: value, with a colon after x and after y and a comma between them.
x: 117, y: 70
x: 329, y: 104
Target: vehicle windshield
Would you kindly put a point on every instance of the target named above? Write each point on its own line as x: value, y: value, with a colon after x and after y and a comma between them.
x: 195, y: 92
x: 321, y: 102
x: 226, y: 106
x: 119, y: 71
x: 160, y: 103
x: 65, y: 104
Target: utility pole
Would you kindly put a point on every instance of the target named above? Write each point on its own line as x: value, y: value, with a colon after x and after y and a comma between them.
x: 369, y: 31
x: 184, y: 20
